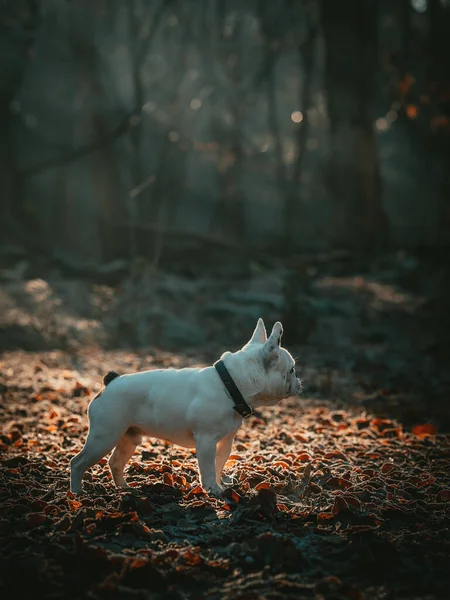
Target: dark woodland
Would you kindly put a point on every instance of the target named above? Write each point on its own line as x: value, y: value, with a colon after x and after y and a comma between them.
x: 170, y: 171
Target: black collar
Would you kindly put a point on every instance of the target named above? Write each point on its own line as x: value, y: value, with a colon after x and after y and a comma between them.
x: 240, y: 405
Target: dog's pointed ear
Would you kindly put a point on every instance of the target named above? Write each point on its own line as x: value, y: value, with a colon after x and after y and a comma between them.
x: 259, y: 335
x: 274, y: 341
x: 271, y: 349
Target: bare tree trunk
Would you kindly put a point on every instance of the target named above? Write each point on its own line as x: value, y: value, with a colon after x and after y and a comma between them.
x: 270, y: 60
x: 289, y: 180
x: 170, y: 177
x: 439, y: 71
x: 228, y: 216
x: 18, y: 25
x: 107, y: 186
x: 294, y: 199
x: 141, y: 44
x: 350, y: 32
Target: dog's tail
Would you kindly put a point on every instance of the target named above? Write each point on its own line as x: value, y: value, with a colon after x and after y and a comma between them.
x: 110, y: 376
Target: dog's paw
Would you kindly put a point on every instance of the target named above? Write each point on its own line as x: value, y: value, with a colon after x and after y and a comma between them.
x: 216, y: 490
x: 123, y: 486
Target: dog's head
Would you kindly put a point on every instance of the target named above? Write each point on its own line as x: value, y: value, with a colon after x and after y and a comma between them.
x: 265, y: 369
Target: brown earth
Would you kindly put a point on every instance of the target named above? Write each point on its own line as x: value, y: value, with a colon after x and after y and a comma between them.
x: 344, y: 493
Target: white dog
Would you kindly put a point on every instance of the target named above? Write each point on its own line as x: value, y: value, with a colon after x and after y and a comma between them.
x: 191, y: 407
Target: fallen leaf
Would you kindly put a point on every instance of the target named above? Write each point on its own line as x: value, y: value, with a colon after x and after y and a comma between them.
x: 264, y: 485
x: 424, y: 430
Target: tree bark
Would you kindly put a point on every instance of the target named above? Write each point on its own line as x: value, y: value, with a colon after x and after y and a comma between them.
x: 439, y: 72
x: 228, y: 217
x: 107, y: 188
x: 350, y: 31
x: 19, y: 23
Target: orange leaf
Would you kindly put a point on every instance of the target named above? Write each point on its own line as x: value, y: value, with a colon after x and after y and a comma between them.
x: 368, y: 472
x: 281, y: 463
x: 335, y: 454
x: 352, y: 500
x: 387, y: 467
x: 443, y: 495
x: 180, y: 479
x: 191, y: 557
x: 339, y: 504
x: 424, y: 430
x: 168, y: 479
x: 263, y: 486
x: 373, y: 455
x: 74, y: 504
x: 80, y: 390
x: 304, y: 457
x: 138, y: 563
x: 325, y: 515
x: 344, y: 483
x: 315, y: 488
x: 377, y: 422
x: 307, y: 471
x: 235, y: 496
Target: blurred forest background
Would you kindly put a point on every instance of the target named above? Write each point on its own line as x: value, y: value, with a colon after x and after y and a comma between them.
x: 148, y: 127
x: 171, y: 170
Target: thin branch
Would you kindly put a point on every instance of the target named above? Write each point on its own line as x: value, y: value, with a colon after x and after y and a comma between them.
x: 306, y: 54
x: 142, y: 186
x: 131, y: 120
x: 145, y: 46
x: 188, y: 235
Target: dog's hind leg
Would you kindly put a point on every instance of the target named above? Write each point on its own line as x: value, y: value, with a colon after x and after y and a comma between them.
x: 122, y: 454
x: 97, y: 445
x: 222, y: 454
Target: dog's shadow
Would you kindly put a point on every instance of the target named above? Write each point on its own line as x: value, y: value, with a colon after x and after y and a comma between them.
x: 171, y: 505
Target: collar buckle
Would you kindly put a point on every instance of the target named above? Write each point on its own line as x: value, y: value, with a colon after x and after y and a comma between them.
x: 245, y: 411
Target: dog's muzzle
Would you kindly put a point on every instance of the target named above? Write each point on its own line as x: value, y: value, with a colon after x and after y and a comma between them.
x: 298, y: 387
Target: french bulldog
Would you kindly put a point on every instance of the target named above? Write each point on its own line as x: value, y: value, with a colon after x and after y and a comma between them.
x: 191, y: 407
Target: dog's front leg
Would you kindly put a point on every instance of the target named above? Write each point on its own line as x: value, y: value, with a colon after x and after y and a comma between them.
x: 206, y: 455
x: 223, y: 452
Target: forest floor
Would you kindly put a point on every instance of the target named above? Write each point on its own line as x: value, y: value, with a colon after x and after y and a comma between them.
x: 341, y: 494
